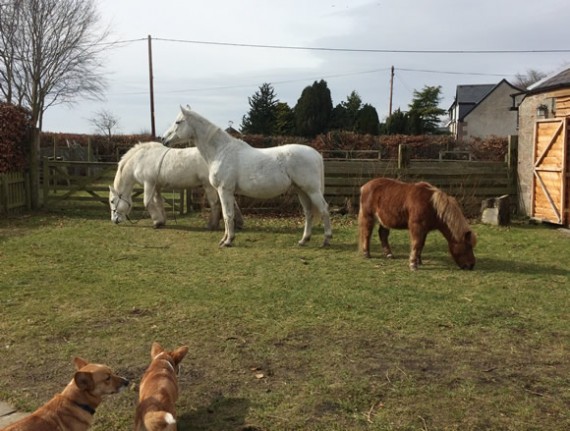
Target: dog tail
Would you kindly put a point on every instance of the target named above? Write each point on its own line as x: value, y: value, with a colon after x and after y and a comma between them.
x: 159, y: 421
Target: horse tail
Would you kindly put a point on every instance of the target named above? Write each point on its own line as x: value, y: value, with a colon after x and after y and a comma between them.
x: 317, y: 216
x: 322, y: 166
x: 449, y: 212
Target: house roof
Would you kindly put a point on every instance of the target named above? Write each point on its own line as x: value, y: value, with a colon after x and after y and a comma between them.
x: 468, y: 96
x: 472, y: 93
x: 551, y: 82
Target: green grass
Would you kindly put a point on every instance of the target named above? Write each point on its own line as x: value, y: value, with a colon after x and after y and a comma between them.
x: 342, y: 342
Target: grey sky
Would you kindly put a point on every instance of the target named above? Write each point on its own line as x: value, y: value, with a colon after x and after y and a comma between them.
x: 216, y: 80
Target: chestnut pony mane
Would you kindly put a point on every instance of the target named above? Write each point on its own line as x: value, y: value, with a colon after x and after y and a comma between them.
x: 450, y: 213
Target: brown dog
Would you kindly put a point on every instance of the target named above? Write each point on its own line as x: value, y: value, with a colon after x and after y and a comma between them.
x: 73, y: 409
x: 159, y: 390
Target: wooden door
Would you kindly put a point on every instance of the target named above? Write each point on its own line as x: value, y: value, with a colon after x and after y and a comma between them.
x: 550, y: 181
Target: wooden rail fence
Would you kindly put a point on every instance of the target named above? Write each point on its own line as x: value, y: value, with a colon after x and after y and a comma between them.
x: 85, y: 184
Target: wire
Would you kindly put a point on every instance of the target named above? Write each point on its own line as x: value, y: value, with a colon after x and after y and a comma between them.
x: 443, y: 72
x: 390, y: 51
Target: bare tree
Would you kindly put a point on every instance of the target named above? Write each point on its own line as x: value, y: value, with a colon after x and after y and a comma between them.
x: 105, y: 123
x: 50, y: 53
x: 523, y: 80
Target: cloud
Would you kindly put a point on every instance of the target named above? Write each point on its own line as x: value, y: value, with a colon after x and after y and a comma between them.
x: 217, y: 80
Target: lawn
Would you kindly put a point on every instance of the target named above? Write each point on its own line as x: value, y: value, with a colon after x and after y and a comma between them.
x: 284, y: 337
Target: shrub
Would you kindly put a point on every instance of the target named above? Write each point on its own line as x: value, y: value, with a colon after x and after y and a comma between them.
x: 15, y: 127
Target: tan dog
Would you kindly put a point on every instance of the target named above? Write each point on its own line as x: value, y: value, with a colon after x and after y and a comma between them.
x: 73, y: 409
x: 159, y: 390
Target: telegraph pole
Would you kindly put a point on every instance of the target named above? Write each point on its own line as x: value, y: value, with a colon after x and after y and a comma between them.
x: 151, y: 82
x: 391, y: 89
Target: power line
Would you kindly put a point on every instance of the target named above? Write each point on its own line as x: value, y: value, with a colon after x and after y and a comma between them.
x: 443, y: 72
x: 365, y: 50
x: 290, y: 81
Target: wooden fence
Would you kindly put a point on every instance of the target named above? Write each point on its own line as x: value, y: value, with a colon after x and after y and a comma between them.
x: 14, y: 192
x: 469, y: 182
x: 85, y: 184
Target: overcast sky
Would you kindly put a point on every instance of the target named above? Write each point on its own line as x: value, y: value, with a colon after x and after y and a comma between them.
x: 199, y: 58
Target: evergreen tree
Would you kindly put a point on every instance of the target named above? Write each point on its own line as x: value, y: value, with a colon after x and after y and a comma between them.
x: 424, y: 106
x: 313, y: 110
x: 262, y: 115
x: 367, y: 120
x: 339, y: 118
x: 284, y: 120
x: 352, y: 104
x: 397, y: 123
x: 344, y: 114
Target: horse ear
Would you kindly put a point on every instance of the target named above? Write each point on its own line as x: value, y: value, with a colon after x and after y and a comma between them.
x: 185, y: 110
x: 112, y: 190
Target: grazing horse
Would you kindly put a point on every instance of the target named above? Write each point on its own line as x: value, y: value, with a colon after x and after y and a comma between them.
x: 420, y: 208
x: 156, y: 167
x: 236, y: 167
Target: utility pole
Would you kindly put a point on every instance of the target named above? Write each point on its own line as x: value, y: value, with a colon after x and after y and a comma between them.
x: 151, y: 82
x: 391, y: 89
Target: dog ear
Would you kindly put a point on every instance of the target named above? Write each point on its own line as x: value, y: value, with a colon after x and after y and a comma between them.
x: 179, y: 354
x: 84, y: 381
x: 155, y: 350
x: 79, y: 363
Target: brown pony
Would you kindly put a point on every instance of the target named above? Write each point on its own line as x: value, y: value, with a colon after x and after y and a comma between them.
x: 419, y: 207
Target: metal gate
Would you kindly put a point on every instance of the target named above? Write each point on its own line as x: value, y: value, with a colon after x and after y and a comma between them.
x: 550, y: 171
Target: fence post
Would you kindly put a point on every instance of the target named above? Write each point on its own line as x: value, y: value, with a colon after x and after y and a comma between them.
x: 3, y: 193
x: 181, y: 202
x: 403, y: 156
x: 512, y: 153
x: 89, y: 155
x: 47, y: 179
x: 35, y: 168
x: 27, y: 188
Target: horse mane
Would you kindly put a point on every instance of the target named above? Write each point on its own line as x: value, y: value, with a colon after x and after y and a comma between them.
x: 450, y: 213
x: 134, y: 150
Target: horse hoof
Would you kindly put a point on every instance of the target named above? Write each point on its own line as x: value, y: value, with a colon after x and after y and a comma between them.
x: 158, y: 225
x: 225, y: 243
x: 390, y: 256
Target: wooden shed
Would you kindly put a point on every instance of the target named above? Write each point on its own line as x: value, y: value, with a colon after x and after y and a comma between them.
x: 543, y: 161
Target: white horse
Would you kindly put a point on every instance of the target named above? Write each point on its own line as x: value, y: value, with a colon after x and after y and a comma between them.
x: 155, y: 166
x: 236, y: 167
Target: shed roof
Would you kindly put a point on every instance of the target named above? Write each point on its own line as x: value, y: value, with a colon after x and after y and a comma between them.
x: 551, y: 82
